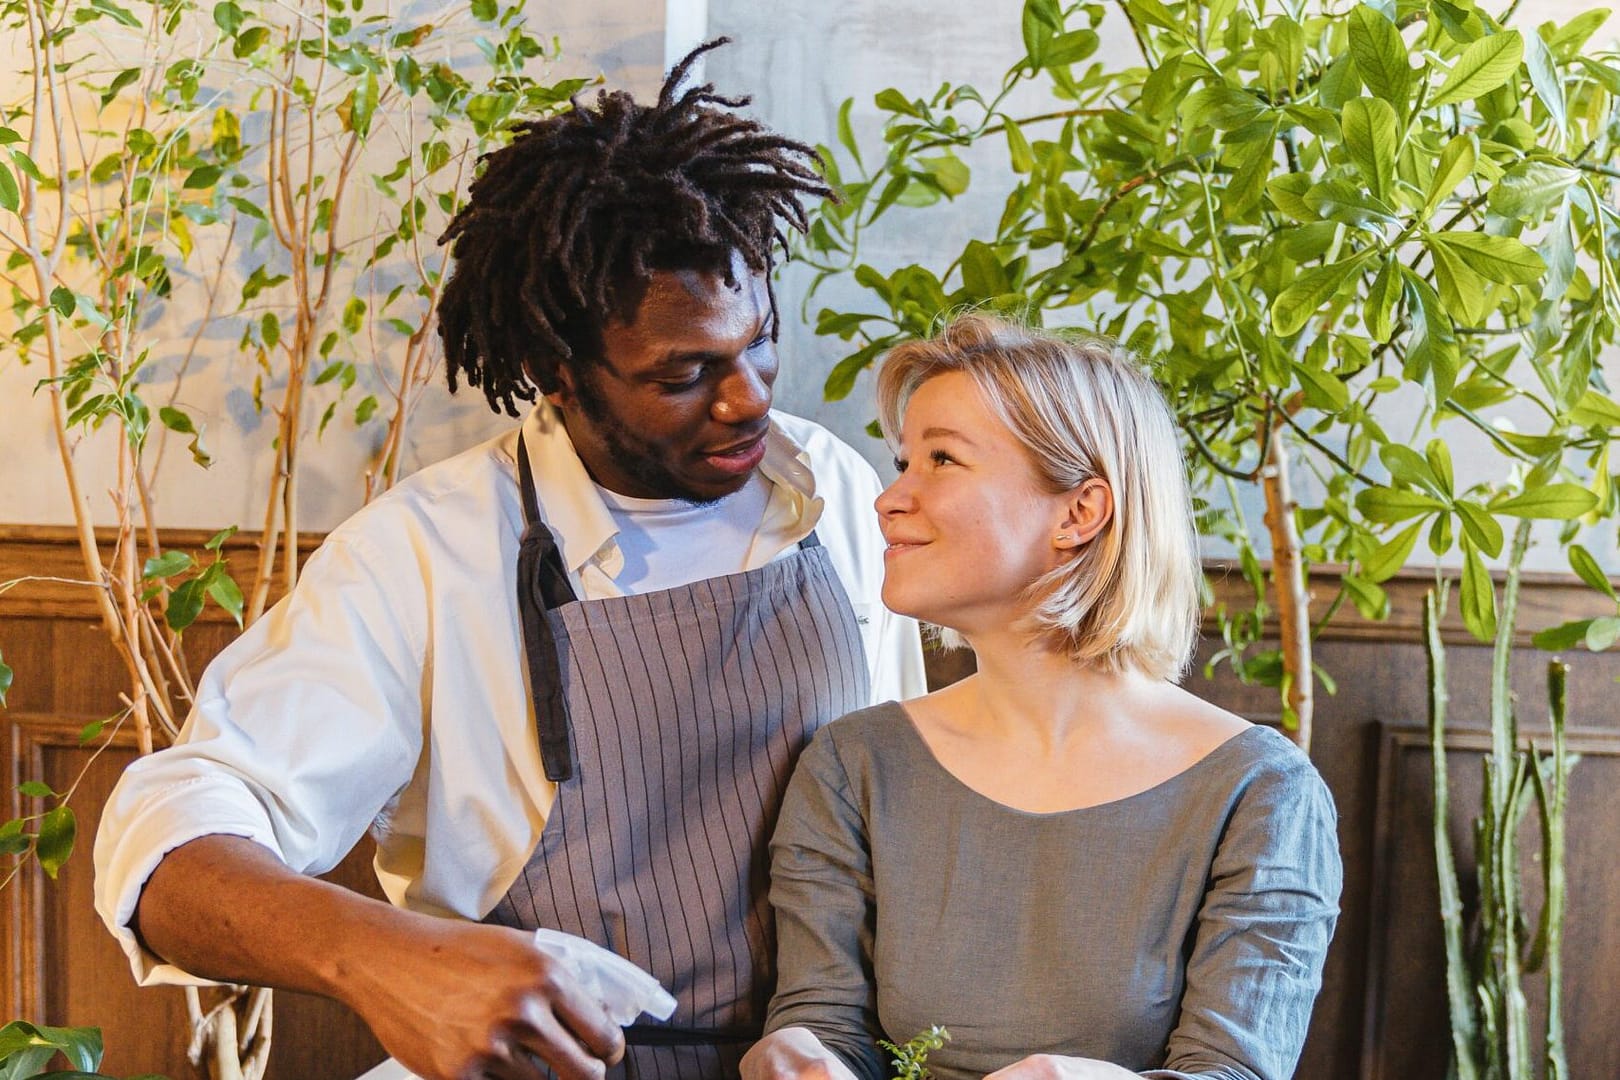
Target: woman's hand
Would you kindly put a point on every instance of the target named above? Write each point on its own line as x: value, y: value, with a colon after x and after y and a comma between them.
x: 1053, y: 1067
x: 793, y: 1054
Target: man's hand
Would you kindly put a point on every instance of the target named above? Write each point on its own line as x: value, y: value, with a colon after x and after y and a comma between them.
x: 471, y: 1001
x: 452, y: 1000
x: 793, y: 1054
x: 1053, y: 1067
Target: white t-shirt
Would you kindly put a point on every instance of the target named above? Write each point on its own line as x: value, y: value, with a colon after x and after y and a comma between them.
x: 671, y: 542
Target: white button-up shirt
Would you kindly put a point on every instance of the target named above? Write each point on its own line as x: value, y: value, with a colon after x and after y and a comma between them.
x: 387, y: 691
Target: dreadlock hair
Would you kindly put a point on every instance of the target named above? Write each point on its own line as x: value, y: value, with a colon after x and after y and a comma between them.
x: 567, y: 223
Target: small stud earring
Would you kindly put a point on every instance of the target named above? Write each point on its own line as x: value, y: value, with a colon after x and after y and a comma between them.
x: 1064, y: 537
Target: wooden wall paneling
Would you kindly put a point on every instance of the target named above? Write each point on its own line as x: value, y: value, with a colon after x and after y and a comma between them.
x: 1406, y: 1025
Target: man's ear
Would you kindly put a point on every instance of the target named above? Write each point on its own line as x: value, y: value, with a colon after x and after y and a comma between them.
x: 1087, y: 511
x: 565, y: 396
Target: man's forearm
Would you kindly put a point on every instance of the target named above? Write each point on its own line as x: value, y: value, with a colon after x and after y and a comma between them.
x: 447, y: 997
x: 225, y: 908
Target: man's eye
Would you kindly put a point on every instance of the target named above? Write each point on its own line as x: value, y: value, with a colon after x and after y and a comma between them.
x: 684, y: 383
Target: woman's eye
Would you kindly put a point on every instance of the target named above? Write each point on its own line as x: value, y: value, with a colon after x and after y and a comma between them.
x: 940, y: 457
x: 900, y: 464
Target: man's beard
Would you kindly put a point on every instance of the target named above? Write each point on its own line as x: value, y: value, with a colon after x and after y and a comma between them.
x: 640, y: 460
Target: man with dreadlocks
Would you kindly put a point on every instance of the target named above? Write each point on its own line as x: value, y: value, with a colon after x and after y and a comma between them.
x: 561, y: 677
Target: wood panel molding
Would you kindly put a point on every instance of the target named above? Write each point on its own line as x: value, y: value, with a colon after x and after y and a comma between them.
x: 48, y: 557
x: 1398, y: 1030
x: 47, y: 563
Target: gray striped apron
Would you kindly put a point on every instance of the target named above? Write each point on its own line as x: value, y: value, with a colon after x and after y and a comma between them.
x: 670, y: 722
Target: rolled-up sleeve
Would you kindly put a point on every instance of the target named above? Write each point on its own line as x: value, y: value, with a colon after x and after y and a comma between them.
x: 822, y: 893
x: 303, y: 730
x: 1262, y: 935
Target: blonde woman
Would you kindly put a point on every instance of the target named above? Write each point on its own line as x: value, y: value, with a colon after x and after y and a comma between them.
x: 1078, y: 868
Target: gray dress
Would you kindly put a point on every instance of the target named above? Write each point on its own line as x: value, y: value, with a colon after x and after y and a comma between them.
x: 1179, y: 932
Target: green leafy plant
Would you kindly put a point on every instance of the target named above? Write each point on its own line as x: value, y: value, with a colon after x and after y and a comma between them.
x: 1319, y: 225
x: 911, y: 1058
x: 26, y: 1051
x: 1351, y: 240
x: 175, y: 168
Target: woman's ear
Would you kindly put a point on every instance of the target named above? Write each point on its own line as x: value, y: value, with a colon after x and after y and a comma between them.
x: 1089, y: 508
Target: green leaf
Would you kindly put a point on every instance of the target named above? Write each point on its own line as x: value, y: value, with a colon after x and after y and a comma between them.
x: 10, y: 194
x: 56, y: 832
x: 1410, y: 468
x: 9, y: 136
x: 354, y: 313
x: 1595, y: 410
x: 1068, y: 48
x: 1480, y: 527
x: 250, y: 41
x: 1495, y: 258
x: 80, y: 1045
x: 1386, y: 506
x: 1530, y: 190
x: 1342, y: 201
x: 185, y: 604
x: 1477, y: 595
x: 1371, y: 139
x: 1558, y: 502
x: 1225, y: 108
x: 6, y: 675
x: 841, y: 380
x: 166, y: 565
x: 203, y: 178
x: 91, y: 732
x: 1307, y: 293
x: 1456, y: 164
x: 1323, y: 389
x: 225, y: 592
x: 948, y: 171
x: 1370, y: 600
x: 1560, y: 638
x: 1463, y: 292
x: 1438, y: 455
x: 63, y: 300
x: 982, y: 272
x: 175, y: 420
x: 846, y: 133
x: 229, y: 18
x: 1544, y: 78
x: 1483, y: 66
x: 1433, y: 351
x: 1587, y: 569
x: 1381, y: 298
x: 1018, y: 149
x: 1602, y: 633
x: 1380, y: 56
x: 37, y: 789
x: 1386, y: 561
x: 485, y: 10
x: 218, y: 539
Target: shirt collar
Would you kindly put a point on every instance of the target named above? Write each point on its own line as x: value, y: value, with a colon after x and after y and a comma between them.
x: 571, y: 505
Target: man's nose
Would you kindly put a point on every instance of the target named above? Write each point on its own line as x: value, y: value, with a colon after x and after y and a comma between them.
x: 744, y: 395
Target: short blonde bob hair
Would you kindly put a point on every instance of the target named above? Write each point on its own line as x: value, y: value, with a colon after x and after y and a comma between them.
x: 1083, y: 409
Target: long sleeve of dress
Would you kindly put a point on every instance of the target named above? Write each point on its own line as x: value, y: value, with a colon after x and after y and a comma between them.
x: 1262, y: 934
x: 821, y: 890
